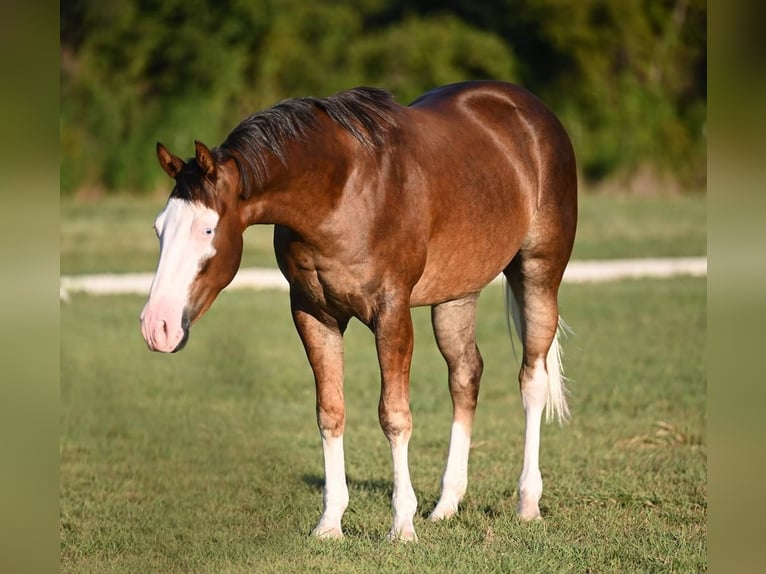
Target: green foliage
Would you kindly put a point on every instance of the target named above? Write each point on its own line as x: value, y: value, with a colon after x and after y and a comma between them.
x: 642, y: 96
x: 418, y: 54
x: 627, y: 76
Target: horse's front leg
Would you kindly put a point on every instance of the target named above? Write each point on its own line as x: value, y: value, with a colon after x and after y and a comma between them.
x: 394, y: 342
x: 323, y: 341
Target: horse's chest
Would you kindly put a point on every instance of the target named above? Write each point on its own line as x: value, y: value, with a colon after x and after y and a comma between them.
x: 329, y: 286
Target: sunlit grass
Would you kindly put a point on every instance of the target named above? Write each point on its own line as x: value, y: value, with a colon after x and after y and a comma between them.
x: 209, y: 460
x: 627, y: 226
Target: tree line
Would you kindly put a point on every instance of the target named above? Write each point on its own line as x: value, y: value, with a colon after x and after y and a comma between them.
x: 627, y: 77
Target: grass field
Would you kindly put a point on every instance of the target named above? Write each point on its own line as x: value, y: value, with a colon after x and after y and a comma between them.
x: 209, y: 460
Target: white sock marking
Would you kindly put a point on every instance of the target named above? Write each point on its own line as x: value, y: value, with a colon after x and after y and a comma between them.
x: 404, y: 502
x: 335, y: 496
x: 534, y: 397
x: 455, y: 478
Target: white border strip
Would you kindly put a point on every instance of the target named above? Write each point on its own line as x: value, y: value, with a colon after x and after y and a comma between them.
x: 611, y: 270
x: 258, y: 278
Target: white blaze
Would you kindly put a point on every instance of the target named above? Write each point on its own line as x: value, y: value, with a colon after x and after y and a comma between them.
x: 186, y: 231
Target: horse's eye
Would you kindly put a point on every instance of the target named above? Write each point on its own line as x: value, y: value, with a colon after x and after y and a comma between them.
x: 208, y: 231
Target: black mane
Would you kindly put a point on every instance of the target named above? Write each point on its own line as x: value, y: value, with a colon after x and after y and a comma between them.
x: 366, y: 113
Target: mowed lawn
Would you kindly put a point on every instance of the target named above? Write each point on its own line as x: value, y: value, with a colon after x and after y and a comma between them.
x: 209, y: 460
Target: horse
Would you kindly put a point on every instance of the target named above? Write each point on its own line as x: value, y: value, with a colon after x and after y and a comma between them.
x: 377, y: 208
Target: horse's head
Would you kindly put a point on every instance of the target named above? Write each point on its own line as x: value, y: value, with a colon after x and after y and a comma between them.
x: 200, y: 232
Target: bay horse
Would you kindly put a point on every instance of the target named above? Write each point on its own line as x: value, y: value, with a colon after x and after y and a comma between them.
x: 379, y: 208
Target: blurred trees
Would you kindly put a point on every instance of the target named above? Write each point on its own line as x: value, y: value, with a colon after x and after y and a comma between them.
x: 627, y: 77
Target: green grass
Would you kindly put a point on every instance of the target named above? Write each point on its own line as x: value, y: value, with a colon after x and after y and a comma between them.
x: 115, y: 234
x: 625, y: 226
x: 209, y: 460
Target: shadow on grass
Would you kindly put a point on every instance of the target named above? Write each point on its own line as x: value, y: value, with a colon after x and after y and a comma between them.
x: 373, y: 486
x: 382, y: 488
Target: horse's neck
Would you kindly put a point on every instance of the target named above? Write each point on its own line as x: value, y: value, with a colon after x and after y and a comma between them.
x: 301, y: 193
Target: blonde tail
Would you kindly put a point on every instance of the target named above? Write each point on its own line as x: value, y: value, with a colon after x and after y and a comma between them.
x: 556, y: 405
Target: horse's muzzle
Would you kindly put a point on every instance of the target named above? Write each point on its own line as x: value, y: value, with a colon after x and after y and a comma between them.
x: 161, y: 332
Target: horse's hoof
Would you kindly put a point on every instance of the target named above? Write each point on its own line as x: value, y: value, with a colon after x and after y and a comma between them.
x: 327, y: 533
x: 442, y: 513
x: 404, y: 535
x: 529, y: 512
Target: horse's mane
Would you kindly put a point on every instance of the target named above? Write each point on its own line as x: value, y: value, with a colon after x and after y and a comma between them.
x: 366, y: 113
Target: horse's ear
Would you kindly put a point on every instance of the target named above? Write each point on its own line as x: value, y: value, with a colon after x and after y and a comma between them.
x: 205, y: 159
x: 170, y: 163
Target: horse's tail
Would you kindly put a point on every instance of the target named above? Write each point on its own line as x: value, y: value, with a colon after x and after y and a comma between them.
x: 556, y: 405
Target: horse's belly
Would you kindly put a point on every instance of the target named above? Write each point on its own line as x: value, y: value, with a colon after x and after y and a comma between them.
x: 457, y: 272
x: 474, y: 235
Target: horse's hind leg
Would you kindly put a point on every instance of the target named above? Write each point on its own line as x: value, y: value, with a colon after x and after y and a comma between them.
x: 454, y: 325
x: 534, y: 281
